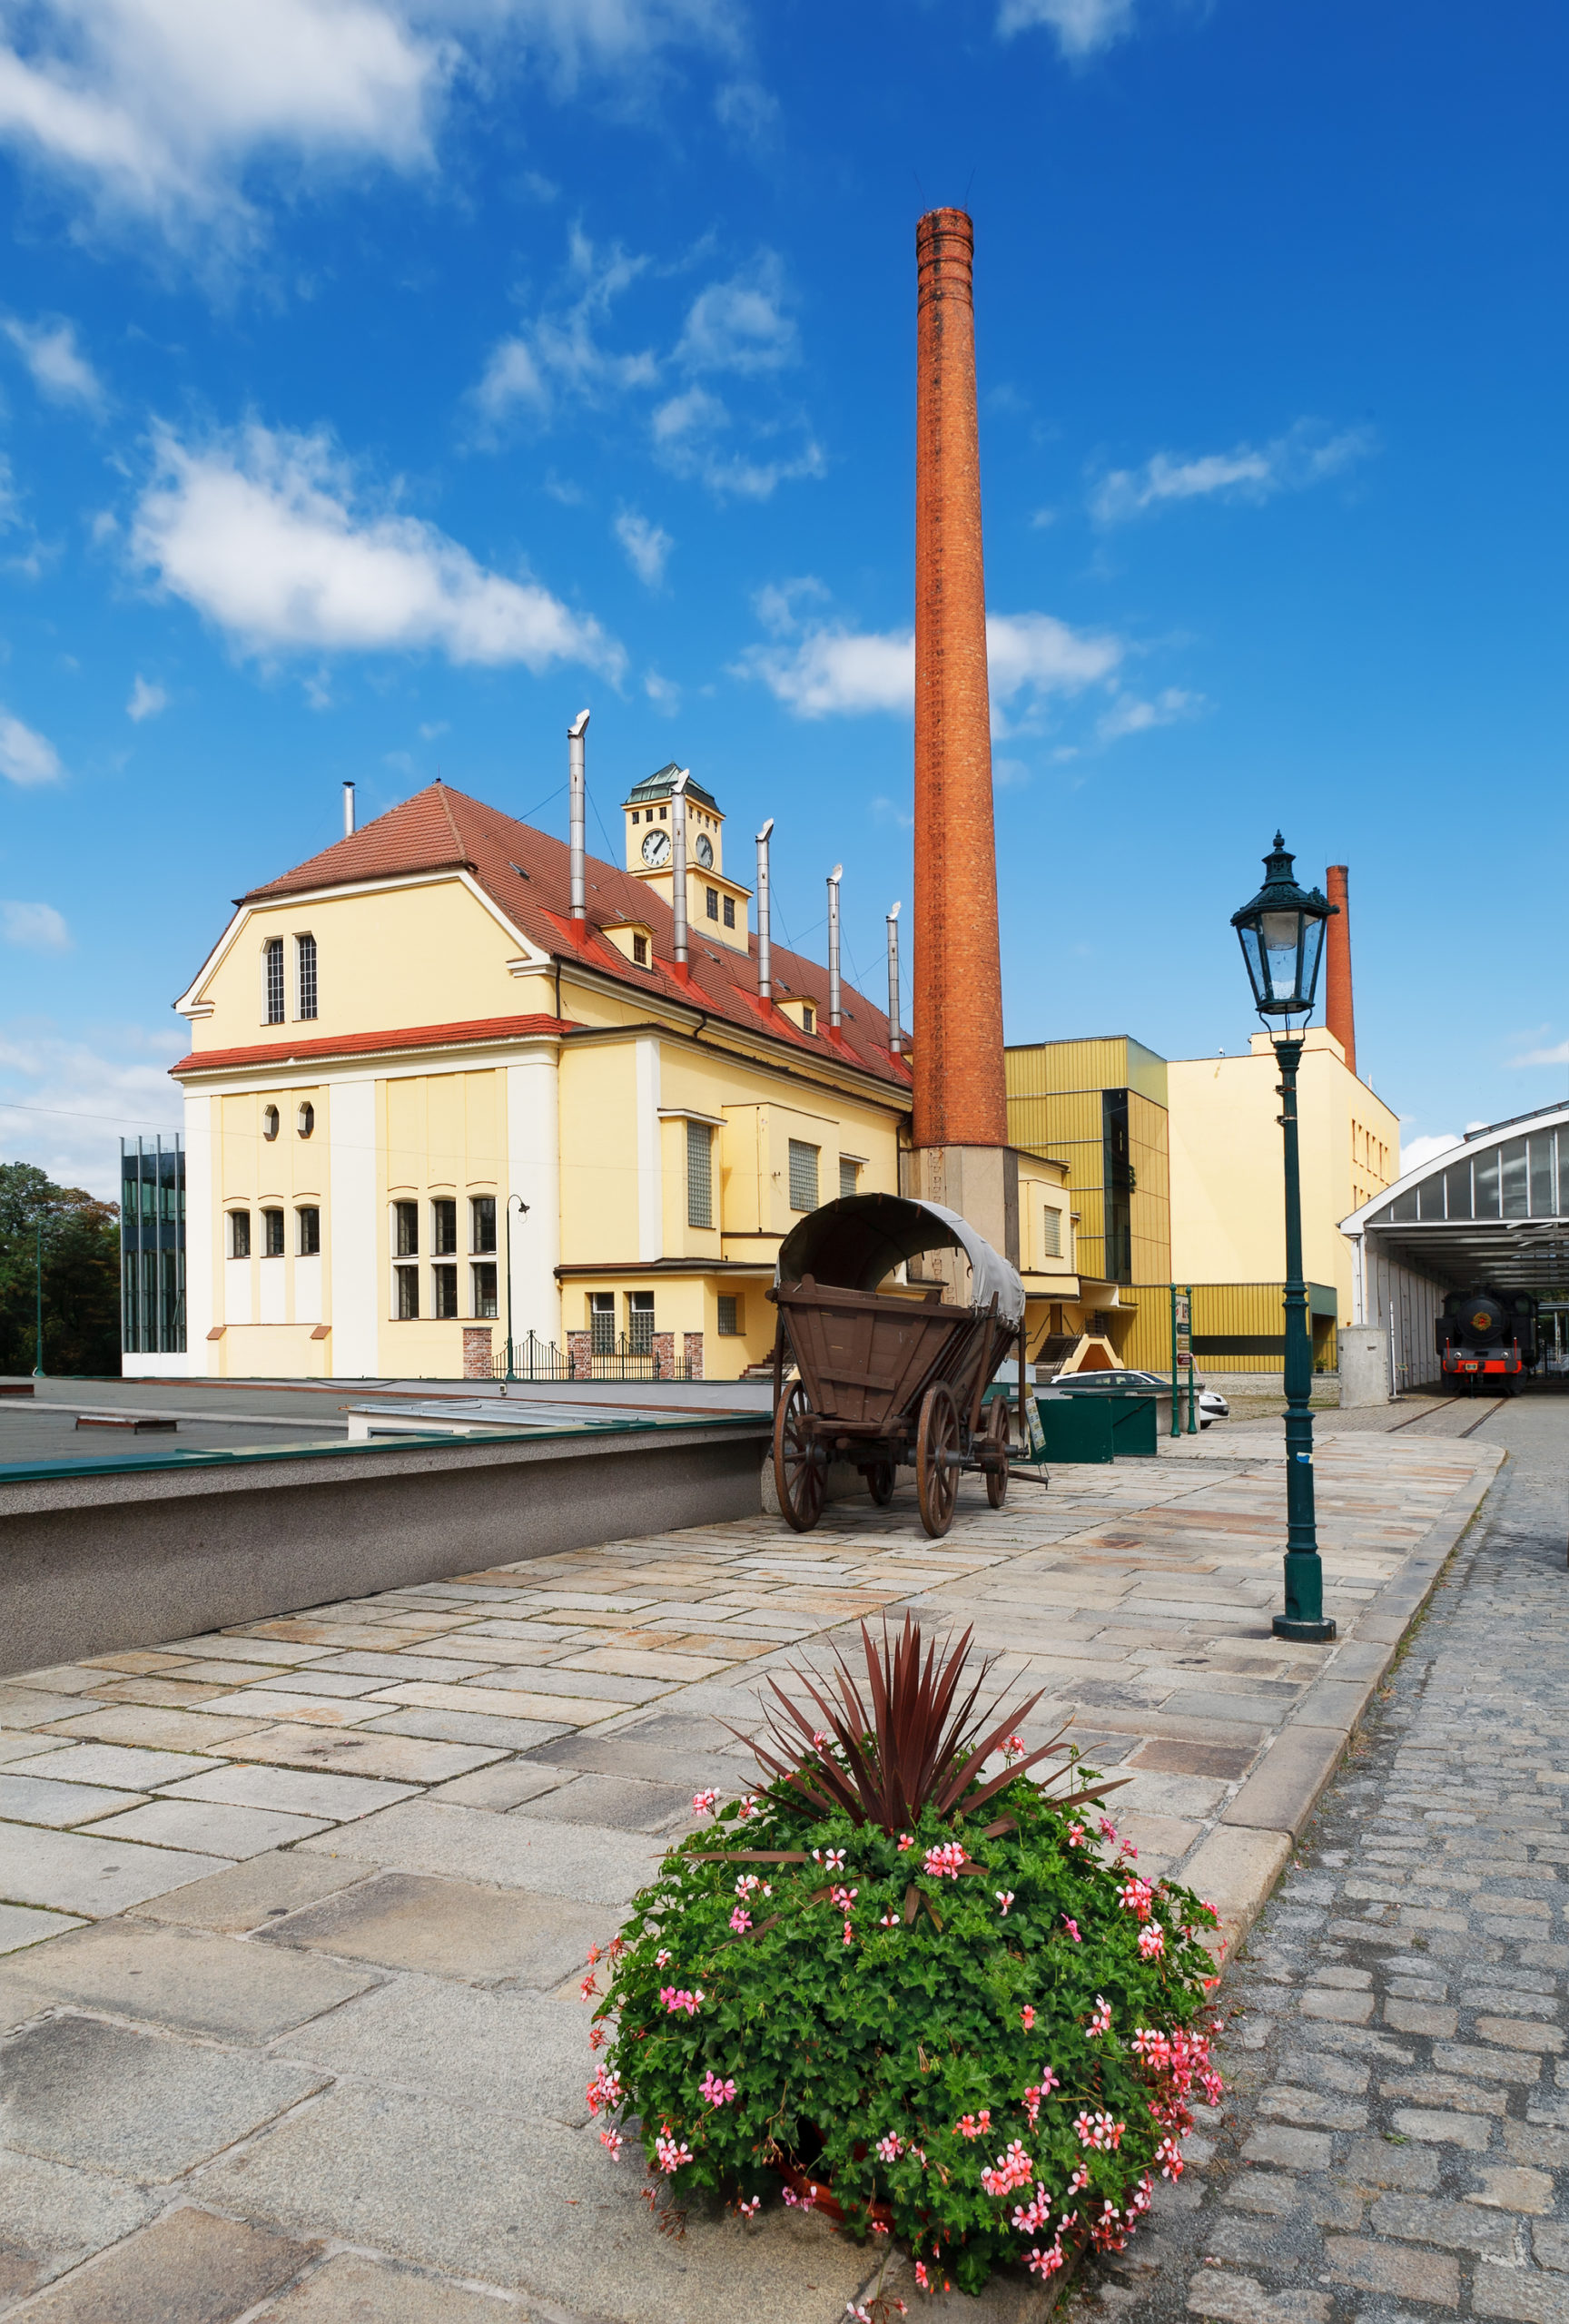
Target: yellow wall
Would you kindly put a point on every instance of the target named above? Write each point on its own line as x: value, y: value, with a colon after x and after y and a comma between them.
x: 1055, y: 1106
x: 1227, y: 1192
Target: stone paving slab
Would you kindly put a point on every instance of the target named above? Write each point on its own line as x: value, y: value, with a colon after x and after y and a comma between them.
x: 458, y: 1787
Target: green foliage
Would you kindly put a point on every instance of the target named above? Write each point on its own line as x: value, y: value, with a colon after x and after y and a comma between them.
x: 81, y: 1275
x: 892, y: 2028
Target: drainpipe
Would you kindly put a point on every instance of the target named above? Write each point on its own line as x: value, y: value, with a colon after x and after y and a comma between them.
x: 578, y: 753
x: 765, y: 918
x: 678, y: 885
x: 895, y: 1039
x: 348, y: 811
x: 834, y: 1013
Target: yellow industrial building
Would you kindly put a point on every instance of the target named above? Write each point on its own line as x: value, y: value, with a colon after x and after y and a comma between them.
x: 1175, y: 1174
x: 426, y: 1103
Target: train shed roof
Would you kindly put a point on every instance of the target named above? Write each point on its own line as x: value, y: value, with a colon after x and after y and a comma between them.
x: 1494, y: 1208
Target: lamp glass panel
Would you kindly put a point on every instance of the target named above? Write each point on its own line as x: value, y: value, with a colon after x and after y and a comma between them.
x: 1312, y: 952
x: 1281, y: 946
x: 1253, y: 953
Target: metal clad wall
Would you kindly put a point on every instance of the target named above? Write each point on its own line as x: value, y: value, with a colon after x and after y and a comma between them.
x: 1247, y: 1319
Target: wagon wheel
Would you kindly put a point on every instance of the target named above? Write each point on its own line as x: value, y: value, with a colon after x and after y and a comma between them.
x: 937, y: 1458
x: 997, y: 1451
x: 881, y: 1477
x: 798, y: 1468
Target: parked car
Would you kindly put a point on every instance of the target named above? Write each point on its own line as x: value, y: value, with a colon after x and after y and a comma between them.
x: 1212, y: 1405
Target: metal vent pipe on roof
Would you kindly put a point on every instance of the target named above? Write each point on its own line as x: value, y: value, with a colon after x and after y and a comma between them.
x: 578, y: 908
x: 834, y: 1011
x: 895, y: 1039
x: 348, y: 811
x: 678, y: 885
x: 765, y: 918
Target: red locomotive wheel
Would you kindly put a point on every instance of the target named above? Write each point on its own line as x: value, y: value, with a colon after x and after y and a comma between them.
x: 800, y: 1468
x: 937, y: 1459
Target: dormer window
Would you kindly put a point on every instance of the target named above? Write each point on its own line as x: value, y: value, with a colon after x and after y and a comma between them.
x: 808, y: 1017
x: 640, y: 952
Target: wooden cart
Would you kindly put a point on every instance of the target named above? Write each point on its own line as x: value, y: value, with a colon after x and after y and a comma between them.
x: 888, y: 1377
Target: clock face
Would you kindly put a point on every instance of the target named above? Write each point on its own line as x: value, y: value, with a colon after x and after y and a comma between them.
x: 705, y: 852
x: 657, y: 847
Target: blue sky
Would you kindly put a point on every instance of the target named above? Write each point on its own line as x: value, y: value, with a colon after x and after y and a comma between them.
x: 381, y: 382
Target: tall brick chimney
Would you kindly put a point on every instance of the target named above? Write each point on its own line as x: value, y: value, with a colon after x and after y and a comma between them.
x: 960, y: 1127
x: 1338, y: 1013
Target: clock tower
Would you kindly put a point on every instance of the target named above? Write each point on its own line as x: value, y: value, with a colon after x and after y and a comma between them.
x: 717, y: 907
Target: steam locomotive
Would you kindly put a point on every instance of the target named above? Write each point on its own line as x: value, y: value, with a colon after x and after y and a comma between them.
x: 1487, y: 1333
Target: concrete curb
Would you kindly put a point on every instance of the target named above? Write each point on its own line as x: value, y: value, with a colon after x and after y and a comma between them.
x: 1237, y: 1862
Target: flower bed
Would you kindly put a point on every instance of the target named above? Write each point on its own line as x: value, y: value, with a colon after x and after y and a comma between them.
x: 970, y: 2020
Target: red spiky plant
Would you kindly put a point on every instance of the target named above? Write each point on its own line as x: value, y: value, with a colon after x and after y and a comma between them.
x: 911, y: 1742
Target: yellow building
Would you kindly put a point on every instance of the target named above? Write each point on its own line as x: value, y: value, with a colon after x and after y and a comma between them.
x: 406, y: 1046
x: 1228, y: 1191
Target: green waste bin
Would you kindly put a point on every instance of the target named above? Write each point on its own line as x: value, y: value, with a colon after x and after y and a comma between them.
x: 1097, y: 1425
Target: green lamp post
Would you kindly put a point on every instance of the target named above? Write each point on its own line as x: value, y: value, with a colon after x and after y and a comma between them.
x: 523, y: 1208
x: 1281, y: 932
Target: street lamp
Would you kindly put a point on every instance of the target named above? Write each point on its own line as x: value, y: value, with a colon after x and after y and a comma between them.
x: 1281, y: 933
x: 522, y: 1213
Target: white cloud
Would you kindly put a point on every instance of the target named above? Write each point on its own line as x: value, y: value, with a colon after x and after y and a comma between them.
x: 830, y: 670
x: 1421, y: 1150
x: 266, y: 536
x: 1081, y: 26
x: 646, y: 545
x: 1558, y: 1055
x: 1129, y: 715
x: 560, y: 357
x: 690, y: 436
x: 147, y: 701
x: 166, y: 110
x: 26, y: 757
x: 36, y: 927
x: 740, y: 325
x: 65, y: 1104
x: 1304, y: 456
x: 60, y: 370
x: 663, y: 693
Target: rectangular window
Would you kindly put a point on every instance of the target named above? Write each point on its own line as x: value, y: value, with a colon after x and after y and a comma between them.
x: 406, y: 1298
x: 849, y: 1176
x: 1484, y: 1168
x: 272, y: 1234
x: 1430, y: 1198
x: 272, y: 979
x: 732, y: 1317
x: 808, y: 1017
x: 711, y: 902
x: 640, y: 952
x: 238, y: 1234
x: 310, y: 1243
x: 803, y: 1175
x: 484, y: 1285
x: 1516, y: 1204
x: 305, y: 967
x: 1457, y: 1190
x: 699, y: 1175
x: 444, y: 1290
x: 640, y: 1321
x: 729, y: 912
x: 1051, y: 1233
x: 482, y: 1223
x: 406, y: 1228
x: 602, y: 1323
x: 444, y: 1225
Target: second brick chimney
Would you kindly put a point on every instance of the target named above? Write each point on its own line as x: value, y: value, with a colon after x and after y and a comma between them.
x: 1338, y: 1013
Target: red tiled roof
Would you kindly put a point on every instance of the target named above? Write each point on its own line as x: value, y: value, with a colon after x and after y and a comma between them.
x: 527, y: 873
x: 414, y: 1036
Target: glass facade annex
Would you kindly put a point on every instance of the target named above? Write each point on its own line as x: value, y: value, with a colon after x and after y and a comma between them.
x: 1522, y: 1178
x: 151, y: 1246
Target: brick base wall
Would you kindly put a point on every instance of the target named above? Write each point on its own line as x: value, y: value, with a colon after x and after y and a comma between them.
x: 664, y: 1356
x: 692, y: 1347
x: 478, y: 1356
x: 578, y: 1363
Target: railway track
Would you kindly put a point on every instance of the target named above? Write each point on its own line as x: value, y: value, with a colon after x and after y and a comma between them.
x: 1493, y: 1404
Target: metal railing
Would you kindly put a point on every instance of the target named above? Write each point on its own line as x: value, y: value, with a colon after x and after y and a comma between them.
x: 625, y: 1359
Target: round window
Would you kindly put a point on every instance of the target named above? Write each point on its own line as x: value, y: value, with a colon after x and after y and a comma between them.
x: 269, y: 1121
x: 307, y: 1120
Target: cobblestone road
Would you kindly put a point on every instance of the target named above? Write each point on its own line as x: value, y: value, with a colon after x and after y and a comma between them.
x: 1396, y: 2143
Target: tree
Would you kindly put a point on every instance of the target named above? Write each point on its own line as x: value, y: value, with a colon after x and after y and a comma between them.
x: 81, y: 1240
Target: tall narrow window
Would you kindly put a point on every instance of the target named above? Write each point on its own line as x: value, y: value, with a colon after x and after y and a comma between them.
x: 406, y: 1228
x: 444, y: 1225
x: 729, y: 912
x: 1051, y: 1232
x: 305, y: 967
x: 803, y: 1175
x: 699, y: 1175
x: 482, y: 1223
x: 238, y: 1234
x: 849, y: 1176
x: 484, y: 1278
x: 407, y: 1303
x: 731, y: 1321
x: 309, y: 1244
x: 711, y: 902
x: 602, y: 1323
x: 272, y: 980
x: 272, y: 1234
x: 305, y: 1121
x: 640, y: 1321
x: 444, y: 1290
x: 640, y: 952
